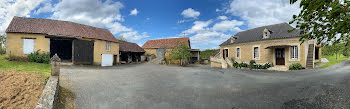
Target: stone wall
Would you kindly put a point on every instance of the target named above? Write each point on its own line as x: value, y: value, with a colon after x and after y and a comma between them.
x: 49, y: 96
x: 267, y: 55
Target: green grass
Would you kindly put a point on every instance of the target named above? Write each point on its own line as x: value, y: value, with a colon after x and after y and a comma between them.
x: 332, y: 60
x: 43, y: 69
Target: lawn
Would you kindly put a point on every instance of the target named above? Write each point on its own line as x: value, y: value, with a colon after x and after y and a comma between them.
x: 43, y: 69
x: 332, y: 60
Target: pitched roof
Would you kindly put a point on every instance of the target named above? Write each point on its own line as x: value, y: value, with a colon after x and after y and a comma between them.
x: 166, y: 43
x: 129, y: 47
x: 57, y: 27
x: 256, y: 34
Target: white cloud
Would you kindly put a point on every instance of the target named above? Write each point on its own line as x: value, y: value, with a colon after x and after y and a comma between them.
x: 134, y: 36
x: 217, y: 10
x: 222, y: 17
x: 260, y: 13
x: 227, y: 25
x: 10, y: 8
x: 206, y: 36
x: 198, y: 26
x: 134, y: 12
x: 96, y: 13
x: 190, y: 13
x: 46, y: 8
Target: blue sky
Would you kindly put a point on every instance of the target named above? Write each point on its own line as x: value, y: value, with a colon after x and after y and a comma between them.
x: 207, y: 22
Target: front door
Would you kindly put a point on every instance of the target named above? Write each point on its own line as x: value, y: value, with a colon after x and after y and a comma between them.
x: 279, y: 56
x: 225, y: 53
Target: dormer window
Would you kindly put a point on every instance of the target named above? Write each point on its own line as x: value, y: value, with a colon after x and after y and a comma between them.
x: 233, y: 39
x: 266, y: 33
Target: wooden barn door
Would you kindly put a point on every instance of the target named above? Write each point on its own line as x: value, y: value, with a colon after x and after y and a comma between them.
x: 83, y: 52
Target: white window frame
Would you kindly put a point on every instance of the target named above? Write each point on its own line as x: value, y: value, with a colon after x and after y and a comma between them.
x: 258, y: 53
x: 238, y: 52
x: 108, y: 46
x: 294, y: 53
x: 25, y: 46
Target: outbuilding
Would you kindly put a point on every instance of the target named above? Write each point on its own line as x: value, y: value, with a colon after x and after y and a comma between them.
x: 72, y: 42
x: 130, y: 52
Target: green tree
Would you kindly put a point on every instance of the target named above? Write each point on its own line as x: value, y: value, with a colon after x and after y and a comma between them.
x: 181, y: 53
x: 324, y: 20
x: 2, y: 41
x: 208, y: 52
x: 333, y: 49
x: 121, y: 38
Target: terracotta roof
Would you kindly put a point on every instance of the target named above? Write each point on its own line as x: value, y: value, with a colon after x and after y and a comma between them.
x: 129, y: 47
x: 57, y: 27
x: 166, y: 43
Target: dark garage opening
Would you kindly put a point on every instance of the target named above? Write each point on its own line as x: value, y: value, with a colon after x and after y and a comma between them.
x: 63, y: 48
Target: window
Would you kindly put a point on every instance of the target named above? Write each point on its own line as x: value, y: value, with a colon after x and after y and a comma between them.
x: 108, y: 46
x: 294, y: 52
x: 28, y: 46
x: 266, y: 35
x: 256, y: 53
x: 238, y: 51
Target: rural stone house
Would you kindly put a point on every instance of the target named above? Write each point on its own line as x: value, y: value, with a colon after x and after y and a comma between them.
x: 271, y: 44
x: 130, y: 52
x: 73, y: 42
x: 163, y: 47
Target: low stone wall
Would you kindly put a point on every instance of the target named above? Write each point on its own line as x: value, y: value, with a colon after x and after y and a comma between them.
x: 49, y: 96
x: 215, y: 62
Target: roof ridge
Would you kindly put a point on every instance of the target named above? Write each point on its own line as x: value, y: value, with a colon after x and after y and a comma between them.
x: 61, y: 21
x: 171, y: 38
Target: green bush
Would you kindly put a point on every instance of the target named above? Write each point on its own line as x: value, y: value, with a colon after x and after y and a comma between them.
x: 39, y: 58
x: 242, y: 64
x: 266, y: 66
x: 295, y: 66
x: 252, y: 64
x: 2, y: 50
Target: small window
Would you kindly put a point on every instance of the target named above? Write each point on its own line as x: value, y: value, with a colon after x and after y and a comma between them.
x: 28, y: 46
x: 108, y: 46
x: 294, y: 52
x: 266, y: 35
x: 256, y: 53
x: 238, y: 51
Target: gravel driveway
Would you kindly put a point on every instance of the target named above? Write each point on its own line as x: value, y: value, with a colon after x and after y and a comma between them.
x: 147, y: 86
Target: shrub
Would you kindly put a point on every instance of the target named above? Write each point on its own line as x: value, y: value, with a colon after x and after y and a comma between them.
x: 295, y: 66
x: 242, y: 64
x: 266, y: 66
x: 252, y: 64
x: 39, y: 58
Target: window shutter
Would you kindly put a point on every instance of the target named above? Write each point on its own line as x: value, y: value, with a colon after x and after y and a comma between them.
x: 28, y: 46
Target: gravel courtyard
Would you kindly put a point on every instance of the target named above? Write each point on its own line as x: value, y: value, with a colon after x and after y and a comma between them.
x: 148, y: 86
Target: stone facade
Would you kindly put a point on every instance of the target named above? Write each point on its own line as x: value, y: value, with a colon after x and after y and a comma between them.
x: 14, y: 45
x: 267, y: 55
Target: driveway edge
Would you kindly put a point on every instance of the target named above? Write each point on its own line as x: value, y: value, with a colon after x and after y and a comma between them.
x: 49, y: 96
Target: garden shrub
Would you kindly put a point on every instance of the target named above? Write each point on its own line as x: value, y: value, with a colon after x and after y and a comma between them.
x: 39, y: 58
x: 252, y: 64
x: 295, y: 66
x: 242, y: 64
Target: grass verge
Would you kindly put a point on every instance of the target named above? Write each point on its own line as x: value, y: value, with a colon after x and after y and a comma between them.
x: 66, y: 99
x: 332, y: 60
x: 43, y: 69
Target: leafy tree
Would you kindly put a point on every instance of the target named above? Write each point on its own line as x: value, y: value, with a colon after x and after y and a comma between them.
x: 2, y: 41
x: 181, y: 53
x: 333, y: 49
x: 324, y: 20
x: 208, y: 52
x: 121, y: 38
